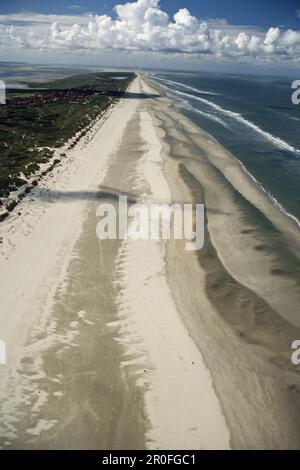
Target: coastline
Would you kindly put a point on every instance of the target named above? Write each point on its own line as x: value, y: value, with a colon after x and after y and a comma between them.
x: 178, y: 391
x: 96, y: 304
x: 37, y: 248
x: 256, y: 352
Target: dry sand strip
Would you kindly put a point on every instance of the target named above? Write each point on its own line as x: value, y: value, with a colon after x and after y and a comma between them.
x: 58, y: 389
x: 36, y: 252
x: 122, y: 345
x: 180, y: 401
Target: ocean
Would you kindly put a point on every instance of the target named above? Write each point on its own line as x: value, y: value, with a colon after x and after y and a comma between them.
x: 251, y: 116
x: 254, y: 118
x: 17, y: 75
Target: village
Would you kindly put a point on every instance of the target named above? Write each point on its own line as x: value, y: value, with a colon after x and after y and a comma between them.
x: 81, y: 94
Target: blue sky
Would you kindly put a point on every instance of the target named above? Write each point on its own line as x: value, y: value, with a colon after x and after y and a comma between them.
x: 263, y: 13
x: 235, y: 35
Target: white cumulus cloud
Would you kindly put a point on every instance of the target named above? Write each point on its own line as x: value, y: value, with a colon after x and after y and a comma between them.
x: 143, y: 26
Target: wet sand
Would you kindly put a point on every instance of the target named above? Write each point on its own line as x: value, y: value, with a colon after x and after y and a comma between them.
x: 128, y: 345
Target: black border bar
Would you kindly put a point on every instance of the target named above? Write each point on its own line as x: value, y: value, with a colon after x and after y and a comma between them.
x: 136, y: 459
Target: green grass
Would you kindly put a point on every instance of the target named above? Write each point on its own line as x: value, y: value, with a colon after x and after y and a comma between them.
x: 103, y: 80
x: 20, y: 94
x: 26, y: 128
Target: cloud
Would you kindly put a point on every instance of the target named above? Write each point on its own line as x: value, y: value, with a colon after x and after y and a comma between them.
x: 142, y: 26
x: 29, y: 18
x: 75, y: 7
x: 272, y: 36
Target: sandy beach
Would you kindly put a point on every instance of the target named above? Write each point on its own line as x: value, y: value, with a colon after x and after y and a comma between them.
x: 122, y: 344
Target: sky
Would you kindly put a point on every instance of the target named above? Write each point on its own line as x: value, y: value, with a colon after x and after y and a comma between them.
x: 239, y: 36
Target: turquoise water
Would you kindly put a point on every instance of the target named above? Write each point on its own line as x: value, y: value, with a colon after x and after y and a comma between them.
x: 255, y: 119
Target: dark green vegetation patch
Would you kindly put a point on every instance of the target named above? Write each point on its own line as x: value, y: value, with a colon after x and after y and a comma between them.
x: 36, y: 118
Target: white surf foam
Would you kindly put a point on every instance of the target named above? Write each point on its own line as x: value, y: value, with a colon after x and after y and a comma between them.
x: 265, y: 191
x: 209, y: 116
x: 275, y: 140
x: 237, y: 116
x: 188, y: 87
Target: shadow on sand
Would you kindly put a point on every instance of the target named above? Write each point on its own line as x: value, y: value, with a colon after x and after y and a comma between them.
x: 102, y: 194
x: 128, y: 95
